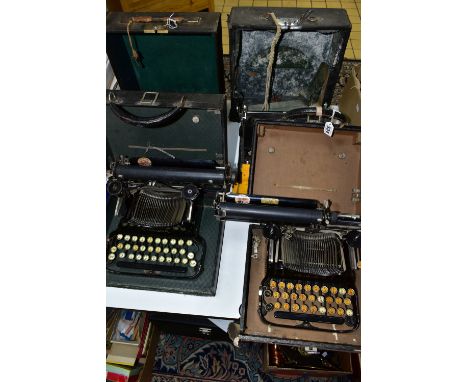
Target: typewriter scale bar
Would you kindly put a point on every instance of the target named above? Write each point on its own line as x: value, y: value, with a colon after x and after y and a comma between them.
x: 156, y: 254
x: 297, y: 303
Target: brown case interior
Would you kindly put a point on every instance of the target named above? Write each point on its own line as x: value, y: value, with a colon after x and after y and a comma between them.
x: 303, y: 162
x: 255, y: 326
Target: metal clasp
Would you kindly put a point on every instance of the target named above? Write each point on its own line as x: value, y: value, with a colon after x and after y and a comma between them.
x: 149, y: 98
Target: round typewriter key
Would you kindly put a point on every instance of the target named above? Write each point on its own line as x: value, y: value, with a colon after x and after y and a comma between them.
x: 138, y: 257
x: 176, y: 260
x: 127, y: 237
x: 193, y: 263
x: 339, y: 300
x: 342, y: 291
x: 302, y: 297
x: 182, y: 251
x: 189, y: 242
x: 351, y: 292
x: 276, y: 294
x: 164, y: 241
x: 268, y: 293
x: 184, y: 260
x: 320, y: 299
x: 311, y: 297
x: 134, y: 238
x: 293, y: 296
x: 131, y: 256
x: 272, y: 284
x: 119, y: 236
x: 145, y: 258
x: 316, y: 288
x: 150, y: 249
x: 157, y: 240
x: 113, y: 249
x: 127, y: 246
x: 304, y: 308
x: 168, y: 259
x: 295, y: 307
x: 340, y: 311
x: 142, y: 248
x: 190, y: 255
x: 281, y: 285
x: 322, y: 310
x: 329, y: 300
x: 142, y: 239
x: 349, y: 312
x: 154, y: 258
x: 157, y: 249
x: 307, y: 288
x: 122, y: 255
x: 347, y: 301
x: 173, y: 241
x: 166, y: 250
x: 298, y: 287
x: 111, y: 256
x: 180, y: 242
x: 286, y: 306
x: 284, y: 295
x: 331, y: 311
x: 277, y: 305
x: 174, y: 251
x: 269, y: 307
x: 149, y: 240
x: 333, y: 290
x: 313, y: 309
x: 120, y: 245
x: 135, y: 247
x: 290, y: 285
x: 324, y: 289
x: 161, y: 259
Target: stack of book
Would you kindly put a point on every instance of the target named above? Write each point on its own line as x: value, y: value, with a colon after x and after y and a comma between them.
x: 129, y: 334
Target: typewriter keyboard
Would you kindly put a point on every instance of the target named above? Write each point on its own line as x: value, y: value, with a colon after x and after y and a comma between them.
x: 293, y: 302
x: 166, y: 254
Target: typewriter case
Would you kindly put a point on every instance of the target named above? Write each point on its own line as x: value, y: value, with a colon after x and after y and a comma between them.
x: 197, y: 139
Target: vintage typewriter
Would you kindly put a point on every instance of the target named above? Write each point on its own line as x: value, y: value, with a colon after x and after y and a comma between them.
x: 162, y: 233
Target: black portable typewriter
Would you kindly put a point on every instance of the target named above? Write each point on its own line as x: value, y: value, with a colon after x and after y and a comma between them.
x: 167, y: 161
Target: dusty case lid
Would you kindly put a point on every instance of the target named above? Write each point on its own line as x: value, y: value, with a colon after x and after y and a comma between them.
x: 310, y: 40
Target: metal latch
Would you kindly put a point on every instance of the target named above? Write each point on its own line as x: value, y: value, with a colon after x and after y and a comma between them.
x: 149, y: 98
x: 356, y: 195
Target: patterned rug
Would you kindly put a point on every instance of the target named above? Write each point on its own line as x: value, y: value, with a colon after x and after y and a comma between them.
x: 188, y: 359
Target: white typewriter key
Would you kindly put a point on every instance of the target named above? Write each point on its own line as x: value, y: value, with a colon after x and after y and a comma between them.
x: 149, y: 240
x: 191, y: 255
x: 113, y: 249
x: 158, y: 249
x: 142, y: 248
x: 161, y: 259
x: 150, y: 249
x: 168, y: 259
x: 135, y: 248
x: 146, y: 258
x: 182, y: 251
x: 122, y: 255
x: 111, y: 256
x: 164, y: 241
x: 157, y: 240
x: 142, y: 239
x: 180, y: 242
x: 134, y: 238
x: 176, y: 260
x: 184, y: 260
x: 193, y: 263
x: 320, y: 299
x: 322, y: 310
x: 138, y: 257
x: 349, y: 312
x: 166, y: 250
x: 127, y: 246
x: 173, y: 241
x: 174, y: 251
x: 131, y: 256
x: 189, y: 242
x: 154, y: 258
x: 119, y: 236
x: 127, y: 237
x: 342, y: 291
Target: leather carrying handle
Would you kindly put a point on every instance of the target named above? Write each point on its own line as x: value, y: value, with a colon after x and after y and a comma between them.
x: 160, y: 120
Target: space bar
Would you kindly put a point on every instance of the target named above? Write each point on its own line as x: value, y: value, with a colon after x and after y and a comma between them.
x: 309, y: 317
x: 152, y: 267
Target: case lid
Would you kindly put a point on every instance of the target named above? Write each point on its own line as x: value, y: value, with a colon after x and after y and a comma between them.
x: 198, y: 134
x: 310, y: 37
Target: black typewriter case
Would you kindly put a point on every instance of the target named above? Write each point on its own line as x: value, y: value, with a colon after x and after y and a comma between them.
x: 200, y: 131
